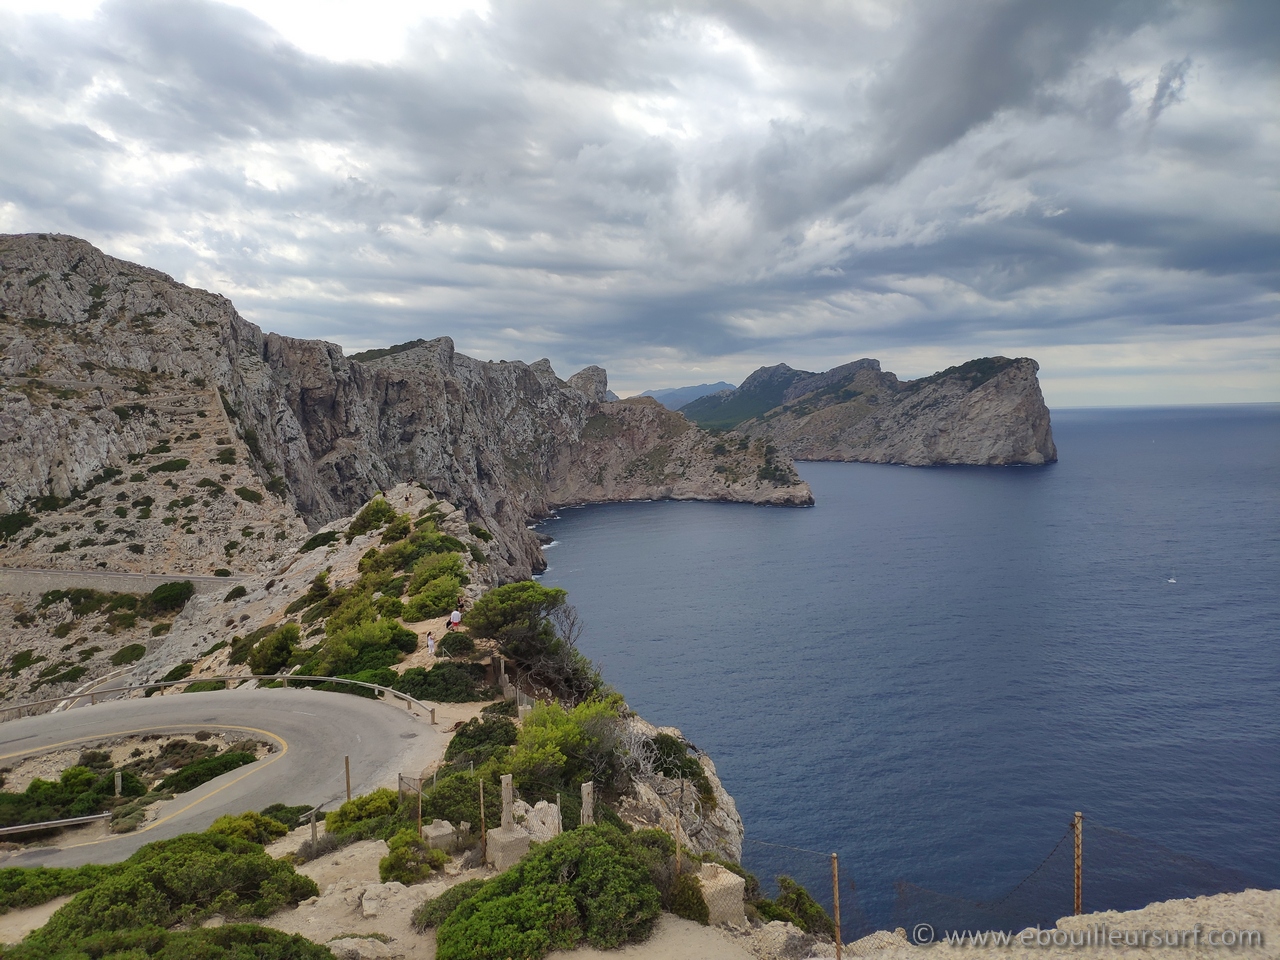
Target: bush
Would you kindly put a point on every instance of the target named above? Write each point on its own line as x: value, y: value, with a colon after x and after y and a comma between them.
x: 409, y: 859
x: 170, y: 596
x: 398, y: 528
x: 808, y: 913
x: 523, y: 605
x: 586, y: 885
x: 273, y: 651
x: 431, y: 913
x: 687, y: 900
x: 375, y: 513
x: 247, y: 495
x: 432, y: 566
x: 134, y: 651
x: 455, y: 644
x: 285, y: 815
x: 503, y: 708
x: 235, y: 593
x: 185, y: 880
x: 249, y: 826
x: 478, y: 740
x: 230, y: 942
x: 204, y: 770
x: 456, y: 798
x: 436, y: 598
x: 443, y: 683
x: 381, y: 803
x: 170, y: 466
x: 204, y: 686
x: 319, y: 540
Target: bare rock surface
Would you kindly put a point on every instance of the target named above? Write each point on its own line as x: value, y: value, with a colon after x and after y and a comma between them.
x: 109, y: 366
x: 985, y: 412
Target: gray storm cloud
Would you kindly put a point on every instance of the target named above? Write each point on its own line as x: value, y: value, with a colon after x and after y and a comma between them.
x: 667, y: 189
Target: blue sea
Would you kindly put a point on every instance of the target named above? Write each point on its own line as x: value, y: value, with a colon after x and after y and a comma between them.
x: 930, y: 670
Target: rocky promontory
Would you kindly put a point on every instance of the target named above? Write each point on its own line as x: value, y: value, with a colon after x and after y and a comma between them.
x: 988, y: 411
x: 140, y: 411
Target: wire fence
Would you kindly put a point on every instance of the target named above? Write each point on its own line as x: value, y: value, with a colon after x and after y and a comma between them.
x: 1119, y: 871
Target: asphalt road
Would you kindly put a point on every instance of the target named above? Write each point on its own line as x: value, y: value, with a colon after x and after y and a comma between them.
x: 313, y: 731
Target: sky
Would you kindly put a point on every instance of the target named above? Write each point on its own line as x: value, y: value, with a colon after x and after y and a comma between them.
x: 683, y: 192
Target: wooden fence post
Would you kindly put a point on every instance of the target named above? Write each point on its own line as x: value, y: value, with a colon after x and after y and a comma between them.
x: 1077, y: 825
x: 347, y: 762
x: 835, y: 900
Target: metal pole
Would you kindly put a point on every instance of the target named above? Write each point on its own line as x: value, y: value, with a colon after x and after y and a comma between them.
x: 835, y: 899
x: 1077, y: 825
x: 347, y: 762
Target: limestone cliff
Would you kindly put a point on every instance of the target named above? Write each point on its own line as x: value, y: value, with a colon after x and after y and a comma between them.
x: 112, y: 370
x: 985, y: 412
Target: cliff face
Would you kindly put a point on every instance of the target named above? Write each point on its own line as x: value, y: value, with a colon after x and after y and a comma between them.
x: 111, y: 366
x: 984, y: 412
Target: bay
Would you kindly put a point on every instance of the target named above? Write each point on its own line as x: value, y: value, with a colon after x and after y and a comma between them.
x: 931, y: 669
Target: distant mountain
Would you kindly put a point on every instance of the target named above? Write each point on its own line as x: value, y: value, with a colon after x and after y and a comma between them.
x: 673, y: 398
x: 985, y: 411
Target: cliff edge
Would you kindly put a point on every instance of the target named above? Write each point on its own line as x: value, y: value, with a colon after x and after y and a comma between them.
x: 988, y: 411
x: 113, y: 370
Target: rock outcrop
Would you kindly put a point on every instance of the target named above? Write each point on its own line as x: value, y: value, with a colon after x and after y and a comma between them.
x: 985, y: 412
x: 106, y: 364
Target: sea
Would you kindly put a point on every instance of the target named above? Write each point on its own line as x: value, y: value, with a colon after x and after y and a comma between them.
x: 932, y: 669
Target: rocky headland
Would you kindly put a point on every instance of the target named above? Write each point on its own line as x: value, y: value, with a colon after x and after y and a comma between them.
x: 144, y: 425
x: 985, y: 412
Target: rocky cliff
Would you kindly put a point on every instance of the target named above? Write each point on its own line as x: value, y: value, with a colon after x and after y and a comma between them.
x: 985, y: 412
x: 121, y: 383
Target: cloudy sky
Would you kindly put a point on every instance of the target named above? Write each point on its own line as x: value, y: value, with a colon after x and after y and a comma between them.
x: 684, y: 192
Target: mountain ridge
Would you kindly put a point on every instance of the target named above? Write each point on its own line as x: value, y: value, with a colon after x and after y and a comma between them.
x: 107, y: 361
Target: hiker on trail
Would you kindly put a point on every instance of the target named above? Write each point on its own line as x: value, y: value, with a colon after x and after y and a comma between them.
x: 431, y: 644
x: 455, y: 619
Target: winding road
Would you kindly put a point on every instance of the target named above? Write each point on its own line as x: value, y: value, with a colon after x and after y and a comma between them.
x: 312, y: 732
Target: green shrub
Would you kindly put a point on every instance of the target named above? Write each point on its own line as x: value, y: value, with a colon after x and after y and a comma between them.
x: 586, y: 885
x: 205, y: 686
x: 170, y: 466
x: 170, y: 596
x: 808, y: 913
x: 182, y: 880
x: 456, y: 798
x: 398, y: 528
x: 455, y: 644
x: 477, y: 740
x: 479, y: 532
x: 436, y: 598
x: 273, y: 651
x: 431, y: 913
x: 180, y: 672
x: 673, y: 761
x: 380, y: 803
x: 432, y: 566
x: 249, y: 826
x: 503, y: 708
x: 687, y: 900
x: 204, y: 770
x: 523, y: 605
x: 222, y: 572
x: 247, y: 495
x: 443, y: 683
x: 375, y: 513
x: 285, y: 815
x: 129, y: 654
x: 160, y: 629
x: 319, y: 540
x: 235, y: 593
x: 409, y: 859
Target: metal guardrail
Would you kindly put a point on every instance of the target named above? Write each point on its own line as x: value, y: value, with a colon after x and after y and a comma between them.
x: 53, y: 824
x: 93, y: 696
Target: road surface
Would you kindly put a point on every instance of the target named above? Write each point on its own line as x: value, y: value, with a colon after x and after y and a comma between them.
x: 35, y: 580
x: 312, y: 732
